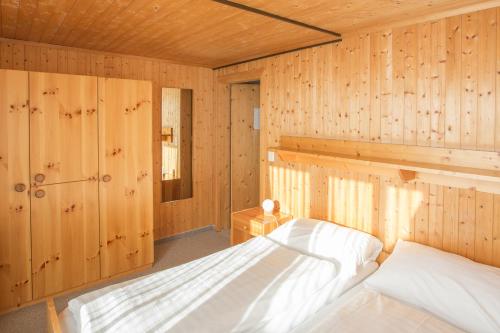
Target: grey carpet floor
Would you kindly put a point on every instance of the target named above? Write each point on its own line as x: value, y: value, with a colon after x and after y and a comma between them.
x: 168, y: 253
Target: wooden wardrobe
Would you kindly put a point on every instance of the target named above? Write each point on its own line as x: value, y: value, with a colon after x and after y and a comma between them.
x: 75, y: 181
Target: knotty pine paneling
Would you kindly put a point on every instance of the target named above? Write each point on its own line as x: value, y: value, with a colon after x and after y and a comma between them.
x: 207, y: 33
x: 432, y: 84
x: 169, y: 218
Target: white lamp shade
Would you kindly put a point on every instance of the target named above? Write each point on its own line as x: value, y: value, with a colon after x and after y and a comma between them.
x: 268, y: 206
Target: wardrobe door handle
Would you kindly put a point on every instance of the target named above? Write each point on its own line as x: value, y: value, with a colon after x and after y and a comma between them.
x: 39, y: 194
x: 106, y: 178
x: 39, y: 177
x: 20, y: 187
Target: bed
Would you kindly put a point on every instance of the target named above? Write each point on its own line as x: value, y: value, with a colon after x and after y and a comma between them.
x: 417, y: 289
x: 364, y: 310
x: 267, y: 284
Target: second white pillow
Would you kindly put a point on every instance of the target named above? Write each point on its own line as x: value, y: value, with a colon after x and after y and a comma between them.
x: 349, y: 247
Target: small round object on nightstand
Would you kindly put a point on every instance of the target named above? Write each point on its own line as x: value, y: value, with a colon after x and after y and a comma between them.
x: 268, y: 207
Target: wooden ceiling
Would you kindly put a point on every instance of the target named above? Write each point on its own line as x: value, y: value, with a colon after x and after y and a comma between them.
x: 200, y: 32
x: 345, y: 16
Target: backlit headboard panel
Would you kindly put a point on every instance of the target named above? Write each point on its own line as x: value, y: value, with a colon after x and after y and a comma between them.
x: 456, y: 219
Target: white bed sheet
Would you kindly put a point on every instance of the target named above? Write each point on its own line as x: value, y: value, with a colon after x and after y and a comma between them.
x: 256, y: 286
x: 362, y: 310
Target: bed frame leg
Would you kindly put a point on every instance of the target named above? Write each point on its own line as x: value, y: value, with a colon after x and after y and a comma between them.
x: 53, y: 325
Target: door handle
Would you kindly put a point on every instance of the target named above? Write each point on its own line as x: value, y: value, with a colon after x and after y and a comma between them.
x: 39, y: 194
x: 39, y: 177
x: 20, y: 187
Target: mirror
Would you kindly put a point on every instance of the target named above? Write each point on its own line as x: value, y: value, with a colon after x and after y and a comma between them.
x: 176, y: 143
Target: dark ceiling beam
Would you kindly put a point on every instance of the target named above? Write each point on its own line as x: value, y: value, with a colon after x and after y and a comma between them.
x: 276, y: 17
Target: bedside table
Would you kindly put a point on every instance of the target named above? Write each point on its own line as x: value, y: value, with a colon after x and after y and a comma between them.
x: 252, y: 222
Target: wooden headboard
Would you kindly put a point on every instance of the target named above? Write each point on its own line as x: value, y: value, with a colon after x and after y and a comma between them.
x: 445, y: 198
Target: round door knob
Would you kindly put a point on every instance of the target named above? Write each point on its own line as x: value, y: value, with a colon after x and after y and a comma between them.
x: 20, y: 187
x: 39, y: 177
x: 39, y: 193
x: 106, y: 178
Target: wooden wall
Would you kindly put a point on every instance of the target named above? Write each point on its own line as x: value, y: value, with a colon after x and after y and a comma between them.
x: 170, y: 218
x: 433, y: 84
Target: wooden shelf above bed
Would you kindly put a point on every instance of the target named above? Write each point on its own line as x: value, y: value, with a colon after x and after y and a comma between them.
x: 457, y: 168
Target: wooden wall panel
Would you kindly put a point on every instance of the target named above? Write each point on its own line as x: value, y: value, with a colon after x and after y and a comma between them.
x: 15, y: 231
x: 453, y: 81
x: 497, y: 114
x: 486, y: 88
x: 63, y: 128
x: 431, y: 84
x: 470, y: 37
x: 65, y: 236
x: 199, y: 210
x: 125, y: 171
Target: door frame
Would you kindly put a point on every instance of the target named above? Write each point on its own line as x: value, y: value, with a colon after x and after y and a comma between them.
x: 231, y: 117
x: 222, y: 101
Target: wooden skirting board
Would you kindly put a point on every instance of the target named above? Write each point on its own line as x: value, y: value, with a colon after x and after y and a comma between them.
x: 457, y: 168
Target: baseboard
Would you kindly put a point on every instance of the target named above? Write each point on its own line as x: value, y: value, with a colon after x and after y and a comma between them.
x: 185, y: 234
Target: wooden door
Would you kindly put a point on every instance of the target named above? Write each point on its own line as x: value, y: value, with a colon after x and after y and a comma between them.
x: 244, y: 147
x: 125, y: 175
x: 15, y: 248
x: 63, y: 126
x: 65, y: 236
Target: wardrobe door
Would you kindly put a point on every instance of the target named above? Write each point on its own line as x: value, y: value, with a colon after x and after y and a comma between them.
x: 15, y: 250
x: 63, y: 126
x: 125, y: 175
x: 65, y: 233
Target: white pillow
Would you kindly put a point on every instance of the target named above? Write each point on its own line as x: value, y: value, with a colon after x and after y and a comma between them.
x: 350, y: 248
x: 460, y: 291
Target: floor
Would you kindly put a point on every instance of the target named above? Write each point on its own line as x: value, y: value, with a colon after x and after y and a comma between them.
x: 168, y: 253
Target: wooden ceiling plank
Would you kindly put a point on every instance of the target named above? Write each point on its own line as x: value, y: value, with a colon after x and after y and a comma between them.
x: 71, y: 19
x: 140, y: 17
x: 361, y: 15
x: 237, y: 5
x: 176, y: 38
x: 27, y: 10
x: 1, y: 27
x: 9, y: 10
x: 45, y: 9
x: 79, y: 31
x: 184, y: 18
x: 153, y: 26
x: 107, y: 23
x: 218, y: 38
x: 56, y: 20
x: 247, y: 49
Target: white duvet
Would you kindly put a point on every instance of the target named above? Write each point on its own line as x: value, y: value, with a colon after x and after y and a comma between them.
x: 256, y: 286
x: 364, y: 310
